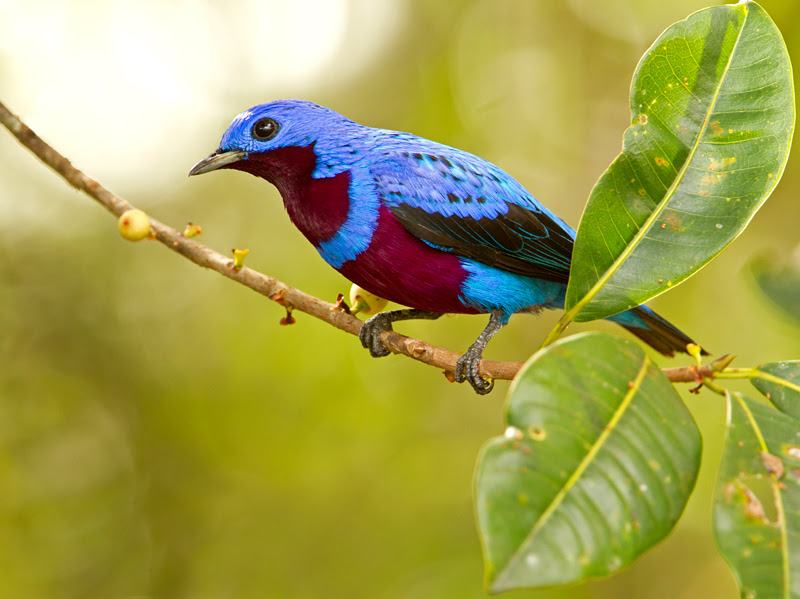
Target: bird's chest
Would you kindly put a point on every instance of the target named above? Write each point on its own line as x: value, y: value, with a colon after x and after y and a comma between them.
x: 345, y: 220
x: 399, y: 267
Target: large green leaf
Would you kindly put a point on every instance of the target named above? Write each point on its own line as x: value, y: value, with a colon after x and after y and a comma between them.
x: 597, y: 463
x: 712, y: 105
x: 780, y: 382
x: 757, y: 501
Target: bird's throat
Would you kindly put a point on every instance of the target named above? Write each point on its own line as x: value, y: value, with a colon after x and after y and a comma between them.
x: 318, y: 207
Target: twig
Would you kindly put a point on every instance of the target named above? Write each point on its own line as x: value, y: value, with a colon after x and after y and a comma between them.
x: 266, y: 285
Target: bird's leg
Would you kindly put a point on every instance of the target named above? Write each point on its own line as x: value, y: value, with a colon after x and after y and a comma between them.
x: 370, y: 334
x: 467, y: 365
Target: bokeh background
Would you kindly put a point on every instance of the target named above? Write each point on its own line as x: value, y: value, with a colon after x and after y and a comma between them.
x: 161, y: 435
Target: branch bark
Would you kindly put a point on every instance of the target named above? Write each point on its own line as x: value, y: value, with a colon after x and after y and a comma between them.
x: 266, y: 285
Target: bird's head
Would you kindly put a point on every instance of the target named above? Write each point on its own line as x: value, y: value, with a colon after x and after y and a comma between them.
x: 260, y: 131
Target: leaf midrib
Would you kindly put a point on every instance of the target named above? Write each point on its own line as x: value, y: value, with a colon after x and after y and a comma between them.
x: 595, y: 289
x: 634, y: 386
x: 776, y: 380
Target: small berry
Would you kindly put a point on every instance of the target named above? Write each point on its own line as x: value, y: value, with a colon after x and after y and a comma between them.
x: 365, y: 302
x: 134, y: 225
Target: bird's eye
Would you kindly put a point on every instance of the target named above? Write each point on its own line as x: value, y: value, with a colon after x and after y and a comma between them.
x: 265, y: 129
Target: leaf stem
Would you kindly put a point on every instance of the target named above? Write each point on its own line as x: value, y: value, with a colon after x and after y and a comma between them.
x: 737, y: 373
x: 560, y: 327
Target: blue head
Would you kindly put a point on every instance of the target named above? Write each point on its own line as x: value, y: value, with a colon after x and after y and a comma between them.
x: 276, y: 125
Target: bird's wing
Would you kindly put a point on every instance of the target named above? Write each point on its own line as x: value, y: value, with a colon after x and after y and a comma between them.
x: 463, y: 204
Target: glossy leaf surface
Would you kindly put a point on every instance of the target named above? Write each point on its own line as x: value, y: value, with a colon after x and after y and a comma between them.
x: 712, y: 117
x: 597, y: 463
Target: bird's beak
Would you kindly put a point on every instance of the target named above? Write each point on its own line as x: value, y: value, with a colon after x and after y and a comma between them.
x: 217, y: 159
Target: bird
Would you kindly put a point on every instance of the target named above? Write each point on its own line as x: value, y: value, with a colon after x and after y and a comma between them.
x: 425, y: 225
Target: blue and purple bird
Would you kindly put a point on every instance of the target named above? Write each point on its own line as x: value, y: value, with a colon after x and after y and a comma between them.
x: 416, y: 222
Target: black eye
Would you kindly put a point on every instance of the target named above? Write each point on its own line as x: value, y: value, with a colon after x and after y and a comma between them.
x: 265, y: 129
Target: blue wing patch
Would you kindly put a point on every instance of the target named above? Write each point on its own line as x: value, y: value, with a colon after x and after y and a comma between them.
x: 463, y: 204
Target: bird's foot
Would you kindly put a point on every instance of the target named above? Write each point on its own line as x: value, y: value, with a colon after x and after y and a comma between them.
x: 370, y: 334
x: 467, y: 370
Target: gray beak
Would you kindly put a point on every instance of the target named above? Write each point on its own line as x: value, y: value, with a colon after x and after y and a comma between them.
x: 217, y: 159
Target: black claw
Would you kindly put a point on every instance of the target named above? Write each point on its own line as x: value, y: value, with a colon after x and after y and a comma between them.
x: 467, y: 370
x: 370, y: 335
x: 467, y: 365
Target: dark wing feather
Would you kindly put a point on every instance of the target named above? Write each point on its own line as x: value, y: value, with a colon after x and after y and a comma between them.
x: 502, y: 241
x: 462, y: 204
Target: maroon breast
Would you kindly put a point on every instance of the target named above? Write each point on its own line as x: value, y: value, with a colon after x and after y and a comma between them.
x: 401, y: 268
x: 396, y: 265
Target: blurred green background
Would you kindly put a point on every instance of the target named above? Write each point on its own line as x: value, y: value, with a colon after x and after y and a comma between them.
x: 161, y: 435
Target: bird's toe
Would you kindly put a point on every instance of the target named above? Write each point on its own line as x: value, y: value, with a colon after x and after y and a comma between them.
x: 467, y: 370
x: 370, y: 336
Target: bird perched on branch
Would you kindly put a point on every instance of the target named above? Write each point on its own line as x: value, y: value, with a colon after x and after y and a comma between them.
x: 416, y: 222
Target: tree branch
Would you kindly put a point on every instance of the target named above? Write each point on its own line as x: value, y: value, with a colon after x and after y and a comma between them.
x: 266, y: 285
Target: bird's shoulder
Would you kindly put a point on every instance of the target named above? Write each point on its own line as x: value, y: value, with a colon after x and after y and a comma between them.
x: 421, y: 173
x: 462, y: 203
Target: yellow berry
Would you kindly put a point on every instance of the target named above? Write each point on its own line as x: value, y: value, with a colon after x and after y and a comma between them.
x: 134, y: 225
x: 365, y: 302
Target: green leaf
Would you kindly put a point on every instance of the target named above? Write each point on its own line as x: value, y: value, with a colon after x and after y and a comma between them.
x: 780, y: 383
x: 597, y: 463
x: 712, y: 105
x: 779, y: 282
x: 757, y: 500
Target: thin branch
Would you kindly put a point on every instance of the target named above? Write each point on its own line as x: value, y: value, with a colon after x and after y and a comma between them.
x: 266, y: 285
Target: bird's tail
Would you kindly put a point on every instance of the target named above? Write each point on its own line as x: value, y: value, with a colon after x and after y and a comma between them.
x: 654, y: 330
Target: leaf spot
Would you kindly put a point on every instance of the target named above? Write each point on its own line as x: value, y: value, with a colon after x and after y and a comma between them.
x: 709, y: 179
x: 772, y: 463
x: 661, y: 161
x: 672, y: 219
x: 537, y: 433
x: 512, y: 432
